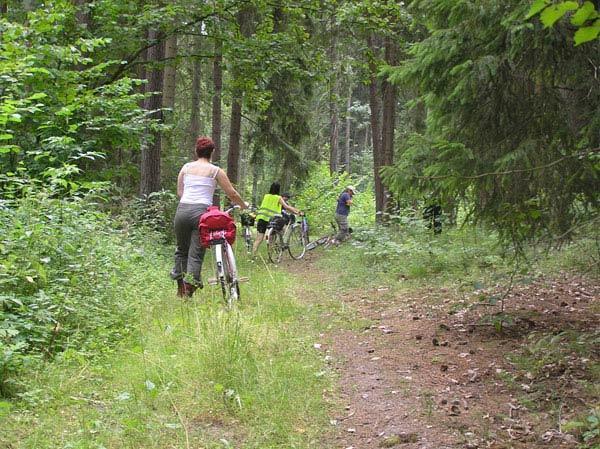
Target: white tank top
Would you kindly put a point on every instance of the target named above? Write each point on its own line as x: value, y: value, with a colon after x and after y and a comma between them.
x: 198, y: 189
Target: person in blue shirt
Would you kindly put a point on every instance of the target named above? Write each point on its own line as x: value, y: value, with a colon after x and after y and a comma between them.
x: 342, y: 211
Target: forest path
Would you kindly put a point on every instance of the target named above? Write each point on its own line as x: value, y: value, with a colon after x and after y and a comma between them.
x: 412, y: 374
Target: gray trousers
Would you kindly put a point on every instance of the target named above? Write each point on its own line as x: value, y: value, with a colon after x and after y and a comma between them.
x: 188, y: 254
x: 342, y: 221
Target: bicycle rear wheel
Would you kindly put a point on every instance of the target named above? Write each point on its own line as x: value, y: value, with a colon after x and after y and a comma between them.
x: 231, y: 287
x: 275, y: 246
x: 297, y: 243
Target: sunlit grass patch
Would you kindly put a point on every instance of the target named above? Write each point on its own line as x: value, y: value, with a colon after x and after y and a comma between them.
x: 195, y: 375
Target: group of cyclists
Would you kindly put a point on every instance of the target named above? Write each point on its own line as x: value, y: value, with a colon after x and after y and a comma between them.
x: 196, y: 185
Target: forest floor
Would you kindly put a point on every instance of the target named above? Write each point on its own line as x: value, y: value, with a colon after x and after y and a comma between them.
x: 422, y: 373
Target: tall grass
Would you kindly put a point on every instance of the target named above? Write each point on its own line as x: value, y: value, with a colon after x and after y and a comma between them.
x: 193, y: 375
x: 70, y: 281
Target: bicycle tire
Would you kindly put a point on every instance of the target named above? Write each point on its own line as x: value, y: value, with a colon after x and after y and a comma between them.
x: 248, y: 240
x: 275, y: 246
x: 232, y: 287
x: 220, y: 269
x: 296, y: 243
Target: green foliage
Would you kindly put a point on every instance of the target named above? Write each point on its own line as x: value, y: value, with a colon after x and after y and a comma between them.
x: 155, y: 212
x: 521, y: 155
x: 588, y: 426
x: 251, y: 375
x: 57, y: 109
x: 66, y: 278
x: 319, y: 195
x: 410, y: 251
x: 585, y: 17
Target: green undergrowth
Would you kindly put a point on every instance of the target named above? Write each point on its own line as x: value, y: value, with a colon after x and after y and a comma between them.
x: 192, y: 375
x: 465, y: 259
x: 70, y: 280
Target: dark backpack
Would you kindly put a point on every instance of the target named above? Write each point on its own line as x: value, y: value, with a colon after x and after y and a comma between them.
x: 277, y: 222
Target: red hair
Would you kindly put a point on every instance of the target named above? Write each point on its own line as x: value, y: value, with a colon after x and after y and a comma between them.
x: 204, y: 147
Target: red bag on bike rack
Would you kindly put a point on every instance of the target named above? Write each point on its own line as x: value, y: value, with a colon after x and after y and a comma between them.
x: 216, y: 225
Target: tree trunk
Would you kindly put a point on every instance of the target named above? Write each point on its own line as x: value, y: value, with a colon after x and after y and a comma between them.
x: 389, y: 118
x: 3, y: 7
x: 375, y: 103
x: 170, y: 76
x: 82, y: 14
x: 348, y: 132
x: 216, y: 107
x: 334, y: 155
x: 333, y: 139
x: 233, y: 155
x: 150, y: 164
x: 257, y: 165
x: 168, y: 89
x: 27, y: 5
x: 195, y: 102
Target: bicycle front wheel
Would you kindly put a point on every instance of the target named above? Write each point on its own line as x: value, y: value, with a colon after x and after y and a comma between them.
x: 248, y: 239
x: 275, y: 246
x: 297, y: 243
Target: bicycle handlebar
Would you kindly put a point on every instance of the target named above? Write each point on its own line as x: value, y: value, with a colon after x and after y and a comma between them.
x: 249, y: 208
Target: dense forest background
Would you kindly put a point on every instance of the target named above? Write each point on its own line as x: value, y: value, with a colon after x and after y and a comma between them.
x: 488, y: 109
x: 470, y: 106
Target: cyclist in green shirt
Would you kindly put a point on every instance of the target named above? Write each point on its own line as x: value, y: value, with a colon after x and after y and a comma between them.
x: 271, y: 205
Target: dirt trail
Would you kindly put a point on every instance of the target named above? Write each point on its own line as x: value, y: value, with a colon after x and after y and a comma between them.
x: 418, y: 377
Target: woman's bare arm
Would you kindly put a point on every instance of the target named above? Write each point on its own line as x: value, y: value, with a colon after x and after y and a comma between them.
x: 229, y: 190
x: 180, y: 184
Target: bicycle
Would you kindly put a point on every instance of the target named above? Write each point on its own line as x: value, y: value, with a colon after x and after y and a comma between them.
x: 287, y: 235
x: 247, y: 219
x: 226, y: 269
x: 328, y: 240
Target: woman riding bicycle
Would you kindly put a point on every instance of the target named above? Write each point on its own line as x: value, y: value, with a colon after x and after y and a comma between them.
x: 271, y: 205
x: 196, y: 186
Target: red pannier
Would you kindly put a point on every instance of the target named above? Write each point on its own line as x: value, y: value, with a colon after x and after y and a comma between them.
x: 216, y: 225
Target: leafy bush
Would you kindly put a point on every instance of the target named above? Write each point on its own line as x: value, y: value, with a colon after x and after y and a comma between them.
x: 156, y: 211
x: 413, y: 251
x: 68, y: 280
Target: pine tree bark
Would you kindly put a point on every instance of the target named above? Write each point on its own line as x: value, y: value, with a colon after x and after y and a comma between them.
x: 82, y: 14
x: 195, y: 101
x: 3, y: 7
x: 217, y: 106
x: 375, y: 104
x: 348, y: 131
x: 170, y: 76
x: 234, y: 152
x: 233, y: 155
x: 389, y: 118
x: 151, y: 152
x: 333, y: 107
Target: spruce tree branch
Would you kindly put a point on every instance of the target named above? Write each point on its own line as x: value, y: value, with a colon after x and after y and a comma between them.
x: 510, y: 172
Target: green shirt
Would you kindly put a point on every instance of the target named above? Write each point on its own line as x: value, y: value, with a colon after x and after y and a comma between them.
x: 270, y: 206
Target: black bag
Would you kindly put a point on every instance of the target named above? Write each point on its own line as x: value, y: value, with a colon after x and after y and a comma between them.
x: 277, y: 222
x: 247, y: 219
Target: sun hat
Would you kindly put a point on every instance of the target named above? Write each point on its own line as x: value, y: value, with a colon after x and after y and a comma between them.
x: 351, y: 188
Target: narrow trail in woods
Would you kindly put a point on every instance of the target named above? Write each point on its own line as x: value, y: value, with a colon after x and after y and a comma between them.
x: 419, y: 375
